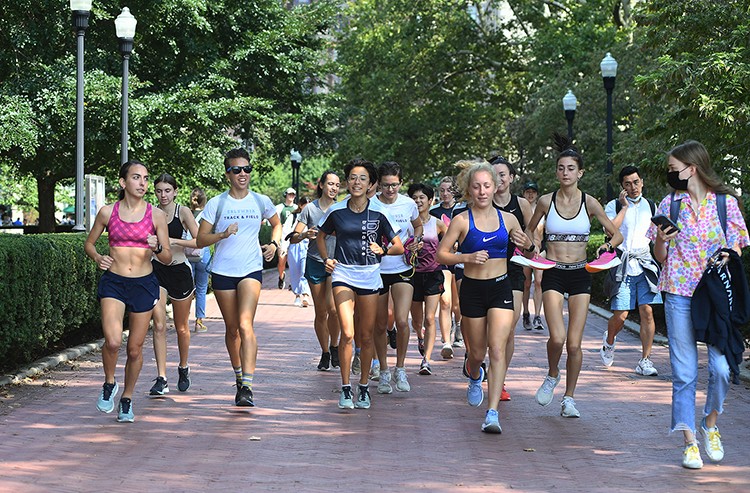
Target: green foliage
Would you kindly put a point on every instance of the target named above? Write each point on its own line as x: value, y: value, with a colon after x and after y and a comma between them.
x: 49, y: 290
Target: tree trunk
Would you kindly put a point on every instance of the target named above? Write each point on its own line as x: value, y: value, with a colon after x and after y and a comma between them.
x: 45, y: 186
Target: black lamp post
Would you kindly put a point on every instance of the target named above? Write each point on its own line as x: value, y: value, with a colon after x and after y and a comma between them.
x: 81, y: 10
x: 296, y: 158
x: 570, y: 103
x: 609, y: 73
x: 125, y: 28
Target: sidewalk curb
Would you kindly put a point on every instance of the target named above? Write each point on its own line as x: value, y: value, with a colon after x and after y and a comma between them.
x: 660, y: 339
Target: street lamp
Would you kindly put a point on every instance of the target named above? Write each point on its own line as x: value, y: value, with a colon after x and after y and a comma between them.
x: 81, y: 10
x: 609, y: 73
x: 296, y: 158
x: 570, y: 103
x: 125, y: 28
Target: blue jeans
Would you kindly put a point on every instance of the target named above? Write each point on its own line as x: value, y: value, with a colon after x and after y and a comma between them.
x: 296, y: 259
x: 683, y: 355
x: 200, y: 275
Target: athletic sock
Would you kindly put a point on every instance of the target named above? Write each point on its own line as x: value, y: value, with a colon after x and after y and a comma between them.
x: 247, y: 380
x: 237, y: 373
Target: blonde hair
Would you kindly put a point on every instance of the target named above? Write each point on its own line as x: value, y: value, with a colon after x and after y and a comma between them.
x: 469, y: 168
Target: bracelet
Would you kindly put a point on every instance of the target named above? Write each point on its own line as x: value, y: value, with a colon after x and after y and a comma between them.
x: 273, y: 242
x: 531, y: 248
x: 158, y: 250
x: 610, y: 248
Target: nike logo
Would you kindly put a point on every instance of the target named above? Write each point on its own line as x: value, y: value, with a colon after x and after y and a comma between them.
x: 511, y: 211
x: 507, y: 301
x: 485, y: 239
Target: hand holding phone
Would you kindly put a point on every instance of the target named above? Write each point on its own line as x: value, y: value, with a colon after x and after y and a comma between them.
x: 665, y: 223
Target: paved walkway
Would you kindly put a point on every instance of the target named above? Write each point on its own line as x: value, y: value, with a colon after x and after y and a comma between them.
x: 54, y: 439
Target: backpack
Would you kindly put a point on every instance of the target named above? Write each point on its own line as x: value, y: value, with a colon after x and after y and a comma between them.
x: 721, y: 207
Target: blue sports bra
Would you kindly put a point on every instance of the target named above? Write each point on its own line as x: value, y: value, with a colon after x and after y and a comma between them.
x: 496, y: 242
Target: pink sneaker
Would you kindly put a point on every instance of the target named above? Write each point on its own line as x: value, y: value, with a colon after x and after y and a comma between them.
x: 606, y: 260
x: 536, y: 262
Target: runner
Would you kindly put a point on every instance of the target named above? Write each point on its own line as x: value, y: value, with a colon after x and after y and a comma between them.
x: 296, y: 259
x: 531, y: 193
x: 232, y: 222
x: 136, y: 230
x: 285, y: 210
x: 199, y: 259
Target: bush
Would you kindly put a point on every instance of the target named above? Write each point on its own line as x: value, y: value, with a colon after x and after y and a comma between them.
x: 49, y: 292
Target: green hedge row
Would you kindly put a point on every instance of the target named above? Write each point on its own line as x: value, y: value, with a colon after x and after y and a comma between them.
x: 48, y: 292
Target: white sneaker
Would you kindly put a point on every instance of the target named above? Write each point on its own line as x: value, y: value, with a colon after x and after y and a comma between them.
x: 402, y: 384
x: 375, y: 371
x: 711, y: 440
x: 568, y: 408
x: 447, y: 351
x: 607, y: 351
x: 298, y: 301
x: 384, y: 385
x: 356, y: 365
x: 646, y: 367
x: 547, y: 390
x: 691, y: 457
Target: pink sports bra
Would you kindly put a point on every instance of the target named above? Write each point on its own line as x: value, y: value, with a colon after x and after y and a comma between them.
x: 124, y: 234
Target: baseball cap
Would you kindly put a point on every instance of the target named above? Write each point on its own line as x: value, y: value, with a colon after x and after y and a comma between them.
x: 531, y: 185
x: 290, y: 190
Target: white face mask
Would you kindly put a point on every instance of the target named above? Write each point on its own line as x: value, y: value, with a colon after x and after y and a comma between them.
x: 635, y: 200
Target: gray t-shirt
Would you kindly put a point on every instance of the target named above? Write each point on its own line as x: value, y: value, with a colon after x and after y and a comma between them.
x: 310, y: 217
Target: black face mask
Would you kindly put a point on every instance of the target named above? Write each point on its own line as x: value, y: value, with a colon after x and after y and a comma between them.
x: 673, y: 179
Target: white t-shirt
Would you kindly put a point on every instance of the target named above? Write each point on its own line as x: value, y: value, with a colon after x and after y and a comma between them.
x: 240, y: 254
x: 633, y: 228
x: 403, y: 211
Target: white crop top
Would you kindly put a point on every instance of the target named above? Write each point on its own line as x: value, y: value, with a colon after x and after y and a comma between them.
x: 558, y: 228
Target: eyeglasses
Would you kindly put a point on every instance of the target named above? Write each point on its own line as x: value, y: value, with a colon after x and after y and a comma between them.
x: 361, y: 178
x: 391, y: 186
x: 237, y: 169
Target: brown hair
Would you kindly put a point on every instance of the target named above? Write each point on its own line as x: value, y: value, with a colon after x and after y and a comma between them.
x: 695, y: 154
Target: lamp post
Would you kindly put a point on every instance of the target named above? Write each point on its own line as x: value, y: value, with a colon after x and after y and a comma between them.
x: 81, y: 10
x: 125, y: 28
x: 296, y: 158
x: 570, y: 103
x: 609, y: 73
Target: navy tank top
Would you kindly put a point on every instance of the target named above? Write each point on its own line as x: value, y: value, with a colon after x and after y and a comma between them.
x: 495, y: 242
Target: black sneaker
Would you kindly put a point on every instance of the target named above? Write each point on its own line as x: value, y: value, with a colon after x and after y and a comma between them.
x: 424, y: 368
x: 527, y: 321
x: 325, y: 362
x: 334, y: 356
x: 484, y: 367
x: 183, y: 382
x: 463, y: 367
x: 281, y: 281
x: 420, y: 346
x: 160, y: 386
x: 238, y: 384
x: 244, y: 397
x: 392, y: 338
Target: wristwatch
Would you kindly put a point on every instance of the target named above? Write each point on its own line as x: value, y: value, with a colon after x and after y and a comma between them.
x: 158, y: 250
x: 531, y: 248
x: 273, y: 242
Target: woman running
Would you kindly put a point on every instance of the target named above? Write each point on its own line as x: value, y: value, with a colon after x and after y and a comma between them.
x: 199, y: 263
x: 568, y: 211
x: 232, y: 221
x: 297, y: 257
x: 176, y: 282
x: 486, y: 298
x: 326, y: 321
x: 136, y: 231
x: 363, y: 230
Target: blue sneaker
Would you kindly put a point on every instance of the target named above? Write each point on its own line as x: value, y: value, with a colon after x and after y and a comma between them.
x: 106, y: 402
x: 474, y: 393
x: 363, y: 400
x: 491, y: 422
x: 125, y: 414
x: 345, y: 398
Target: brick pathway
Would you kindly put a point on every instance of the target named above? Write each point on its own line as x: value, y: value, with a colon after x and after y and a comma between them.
x: 54, y: 439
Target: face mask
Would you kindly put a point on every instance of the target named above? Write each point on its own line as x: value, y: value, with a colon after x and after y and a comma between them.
x: 673, y: 179
x: 635, y: 200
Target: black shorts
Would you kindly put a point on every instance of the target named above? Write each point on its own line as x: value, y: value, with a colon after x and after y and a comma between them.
x: 572, y: 279
x: 391, y: 279
x: 176, y: 279
x: 516, y: 276
x: 427, y: 284
x: 459, y: 273
x: 139, y: 294
x: 230, y: 283
x: 477, y: 296
x: 357, y: 291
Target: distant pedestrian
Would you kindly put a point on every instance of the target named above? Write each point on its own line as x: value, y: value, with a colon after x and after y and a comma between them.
x: 531, y: 193
x: 285, y: 211
x: 199, y: 259
x: 296, y: 259
x: 136, y: 230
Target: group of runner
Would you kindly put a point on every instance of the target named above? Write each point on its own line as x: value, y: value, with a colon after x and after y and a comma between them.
x: 373, y: 254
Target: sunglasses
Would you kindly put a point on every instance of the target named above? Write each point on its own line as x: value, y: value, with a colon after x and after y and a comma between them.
x: 236, y: 169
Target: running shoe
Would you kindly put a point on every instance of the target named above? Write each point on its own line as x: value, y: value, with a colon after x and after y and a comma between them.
x: 305, y: 301
x: 547, y: 390
x: 606, y: 260
x: 375, y: 371
x: 200, y: 326
x: 504, y: 394
x: 463, y: 367
x: 402, y: 384
x: 607, y: 352
x: 458, y: 342
x: 325, y: 362
x: 345, y: 398
x: 183, y: 379
x: 298, y: 301
x: 384, y: 384
x: 420, y: 346
x: 245, y: 397
x: 447, y: 351
x: 160, y: 386
x: 335, y: 363
x: 238, y: 384
x: 527, y: 321
x: 125, y: 411
x: 691, y: 457
x: 538, y: 325
x: 392, y: 340
x: 711, y: 440
x: 484, y: 367
x: 356, y: 365
x: 474, y: 392
x: 281, y: 281
x: 106, y: 402
x: 535, y: 262
x: 646, y: 368
x: 424, y: 368
x: 568, y: 408
x: 491, y: 422
x: 363, y: 398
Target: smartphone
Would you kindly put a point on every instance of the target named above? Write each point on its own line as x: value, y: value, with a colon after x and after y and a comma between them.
x: 664, y: 222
